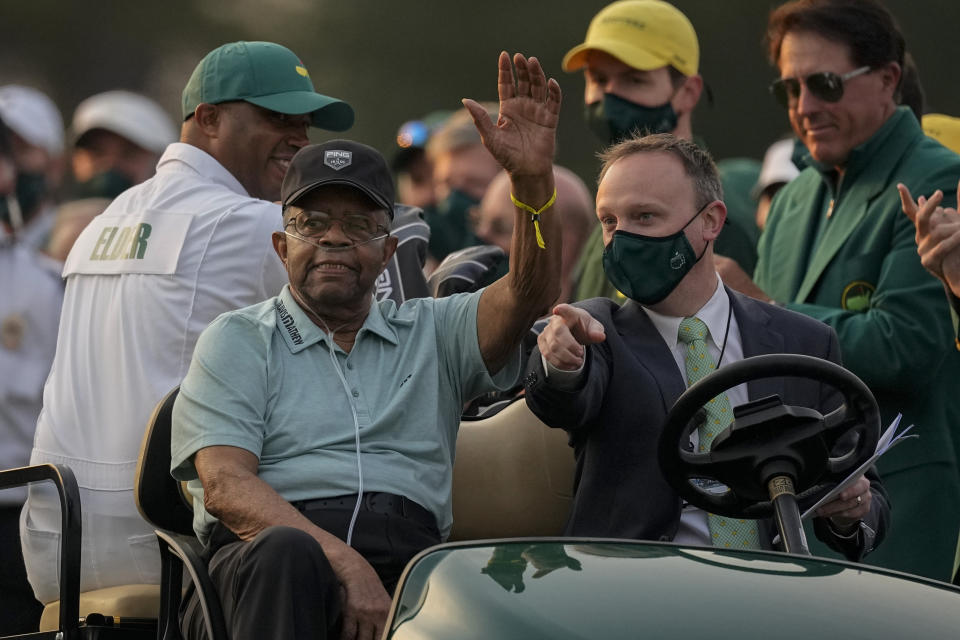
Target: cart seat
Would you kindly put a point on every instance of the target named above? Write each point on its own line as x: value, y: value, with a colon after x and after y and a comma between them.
x: 125, y: 601
x: 513, y: 477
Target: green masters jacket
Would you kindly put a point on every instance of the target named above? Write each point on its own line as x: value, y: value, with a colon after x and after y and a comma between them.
x: 842, y: 251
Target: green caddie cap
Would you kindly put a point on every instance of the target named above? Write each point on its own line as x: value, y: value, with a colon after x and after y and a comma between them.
x: 265, y: 74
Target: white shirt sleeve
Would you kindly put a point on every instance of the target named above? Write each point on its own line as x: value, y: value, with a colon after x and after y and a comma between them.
x: 274, y: 274
x: 562, y: 379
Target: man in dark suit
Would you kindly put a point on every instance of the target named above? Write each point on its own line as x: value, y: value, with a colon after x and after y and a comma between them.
x: 608, y: 374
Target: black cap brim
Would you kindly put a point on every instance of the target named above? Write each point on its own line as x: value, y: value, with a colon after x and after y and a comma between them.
x: 307, y: 188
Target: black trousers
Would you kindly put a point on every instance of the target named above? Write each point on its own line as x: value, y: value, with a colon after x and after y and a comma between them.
x: 19, y: 610
x: 280, y: 584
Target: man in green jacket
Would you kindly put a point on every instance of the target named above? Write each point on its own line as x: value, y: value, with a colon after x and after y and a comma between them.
x: 837, y: 248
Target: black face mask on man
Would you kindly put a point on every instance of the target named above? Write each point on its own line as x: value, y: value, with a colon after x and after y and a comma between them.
x: 30, y: 191
x: 107, y: 184
x: 648, y: 268
x: 449, y: 221
x: 614, y: 118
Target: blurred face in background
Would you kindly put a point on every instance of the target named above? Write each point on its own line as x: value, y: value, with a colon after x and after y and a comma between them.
x: 468, y: 169
x: 493, y: 219
x: 100, y: 151
x: 8, y: 174
x: 415, y: 185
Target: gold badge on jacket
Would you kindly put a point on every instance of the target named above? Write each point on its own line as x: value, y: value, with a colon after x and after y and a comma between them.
x: 856, y: 296
x: 12, y: 329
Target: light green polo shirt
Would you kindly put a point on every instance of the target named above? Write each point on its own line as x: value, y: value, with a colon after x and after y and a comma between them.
x: 263, y: 379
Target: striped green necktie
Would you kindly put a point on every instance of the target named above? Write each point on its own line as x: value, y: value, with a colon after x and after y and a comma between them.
x: 725, y: 532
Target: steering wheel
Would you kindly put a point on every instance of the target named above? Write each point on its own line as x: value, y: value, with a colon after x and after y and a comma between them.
x: 768, y: 438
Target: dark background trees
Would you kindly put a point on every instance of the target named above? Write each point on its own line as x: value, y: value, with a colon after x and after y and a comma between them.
x: 398, y: 60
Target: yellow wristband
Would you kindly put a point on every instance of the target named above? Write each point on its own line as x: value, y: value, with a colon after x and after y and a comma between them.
x: 535, y: 214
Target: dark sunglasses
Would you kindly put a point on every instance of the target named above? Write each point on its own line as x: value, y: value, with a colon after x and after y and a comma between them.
x: 825, y: 85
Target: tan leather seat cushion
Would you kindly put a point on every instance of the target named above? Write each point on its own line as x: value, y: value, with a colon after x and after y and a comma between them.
x: 513, y: 476
x: 125, y: 601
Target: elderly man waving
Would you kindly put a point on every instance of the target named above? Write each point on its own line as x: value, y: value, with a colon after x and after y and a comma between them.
x: 318, y: 427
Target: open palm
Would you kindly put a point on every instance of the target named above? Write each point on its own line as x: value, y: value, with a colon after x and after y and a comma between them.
x: 524, y: 138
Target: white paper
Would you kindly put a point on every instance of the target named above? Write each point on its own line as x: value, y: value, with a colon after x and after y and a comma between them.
x: 889, y: 439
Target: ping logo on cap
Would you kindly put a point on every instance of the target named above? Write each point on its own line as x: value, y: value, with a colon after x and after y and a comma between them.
x: 336, y: 159
x: 303, y: 71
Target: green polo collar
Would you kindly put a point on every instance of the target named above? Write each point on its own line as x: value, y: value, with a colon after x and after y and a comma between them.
x: 300, y: 332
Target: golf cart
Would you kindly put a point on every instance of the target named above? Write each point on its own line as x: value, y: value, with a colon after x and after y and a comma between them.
x: 772, y: 461
x: 506, y: 573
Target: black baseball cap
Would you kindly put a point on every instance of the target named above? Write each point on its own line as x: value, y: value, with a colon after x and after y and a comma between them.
x: 339, y: 162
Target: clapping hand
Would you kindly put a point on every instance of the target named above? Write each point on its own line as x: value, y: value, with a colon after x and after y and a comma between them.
x: 938, y: 235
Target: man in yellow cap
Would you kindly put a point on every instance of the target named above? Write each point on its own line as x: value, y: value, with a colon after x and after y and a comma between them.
x: 640, y: 61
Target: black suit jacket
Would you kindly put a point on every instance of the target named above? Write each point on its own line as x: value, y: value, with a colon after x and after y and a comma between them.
x: 614, y: 418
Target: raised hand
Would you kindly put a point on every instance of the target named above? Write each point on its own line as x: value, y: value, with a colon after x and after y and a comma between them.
x: 938, y: 235
x: 524, y: 137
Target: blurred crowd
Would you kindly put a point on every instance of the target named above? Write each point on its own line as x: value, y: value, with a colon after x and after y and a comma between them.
x: 454, y: 223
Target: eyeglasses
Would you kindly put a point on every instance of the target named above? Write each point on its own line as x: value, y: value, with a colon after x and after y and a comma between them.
x: 357, y: 227
x: 825, y: 85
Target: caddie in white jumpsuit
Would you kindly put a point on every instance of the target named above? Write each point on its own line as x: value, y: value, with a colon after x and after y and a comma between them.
x: 145, y: 278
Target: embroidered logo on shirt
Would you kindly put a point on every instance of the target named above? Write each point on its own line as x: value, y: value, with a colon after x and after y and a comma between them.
x: 336, y: 159
x: 289, y: 323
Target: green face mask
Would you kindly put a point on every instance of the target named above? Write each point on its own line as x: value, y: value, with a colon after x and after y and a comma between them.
x: 108, y: 184
x: 30, y: 191
x: 449, y: 222
x: 648, y: 268
x: 614, y: 118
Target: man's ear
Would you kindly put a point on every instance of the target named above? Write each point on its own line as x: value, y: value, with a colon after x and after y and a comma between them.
x: 389, y: 248
x: 688, y: 95
x: 280, y: 245
x: 890, y: 76
x: 207, y: 117
x: 713, y: 218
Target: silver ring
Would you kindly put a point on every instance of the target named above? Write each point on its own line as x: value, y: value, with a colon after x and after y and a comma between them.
x: 859, y: 501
